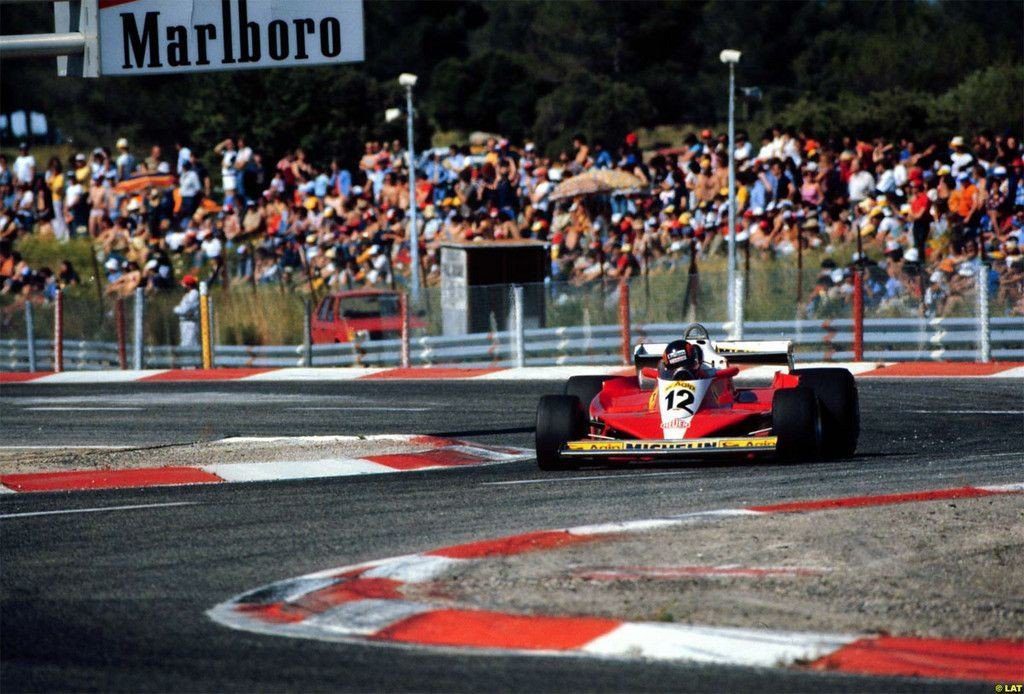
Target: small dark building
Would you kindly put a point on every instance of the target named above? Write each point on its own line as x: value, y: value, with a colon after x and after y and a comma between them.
x: 477, y: 279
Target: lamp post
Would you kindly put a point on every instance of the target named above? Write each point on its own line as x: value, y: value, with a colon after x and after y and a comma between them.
x: 408, y: 80
x: 731, y: 57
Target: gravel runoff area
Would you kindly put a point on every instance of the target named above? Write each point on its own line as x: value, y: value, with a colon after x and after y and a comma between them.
x: 934, y: 569
x: 23, y: 460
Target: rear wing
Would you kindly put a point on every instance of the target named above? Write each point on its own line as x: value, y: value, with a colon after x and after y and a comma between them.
x: 724, y: 353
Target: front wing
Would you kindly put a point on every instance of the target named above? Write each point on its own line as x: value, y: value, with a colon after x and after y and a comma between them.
x: 661, y: 448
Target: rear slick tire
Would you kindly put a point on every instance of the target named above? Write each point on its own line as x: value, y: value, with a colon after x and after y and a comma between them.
x: 836, y: 391
x: 796, y: 422
x: 560, y: 419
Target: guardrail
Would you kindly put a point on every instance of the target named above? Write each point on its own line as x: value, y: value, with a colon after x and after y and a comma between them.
x: 885, y: 339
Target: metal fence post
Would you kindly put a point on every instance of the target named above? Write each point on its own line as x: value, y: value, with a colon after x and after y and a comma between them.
x: 737, y: 313
x: 211, y: 316
x: 858, y: 314
x: 494, y: 348
x: 58, y: 332
x: 204, y: 324
x: 403, y: 310
x: 624, y: 326
x: 307, y: 333
x: 519, y: 334
x: 138, y: 309
x: 30, y: 336
x: 122, y: 335
x: 984, y: 324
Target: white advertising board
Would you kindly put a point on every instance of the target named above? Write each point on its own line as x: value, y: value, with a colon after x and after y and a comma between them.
x: 139, y: 37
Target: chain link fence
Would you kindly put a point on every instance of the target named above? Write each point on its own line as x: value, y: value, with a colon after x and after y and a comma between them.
x: 905, y: 316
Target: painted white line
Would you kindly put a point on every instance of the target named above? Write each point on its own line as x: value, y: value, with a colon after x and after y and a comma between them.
x: 65, y: 447
x: 81, y: 409
x: 623, y: 526
x: 416, y: 568
x: 717, y: 513
x: 1004, y: 488
x: 724, y: 645
x: 98, y: 509
x: 96, y: 376
x: 313, y: 374
x: 553, y: 480
x: 1016, y: 372
x: 357, y: 408
x: 361, y: 617
x: 966, y: 411
x: 294, y: 470
x: 315, y: 439
x: 508, y: 455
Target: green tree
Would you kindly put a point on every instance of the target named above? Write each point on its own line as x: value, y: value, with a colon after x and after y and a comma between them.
x: 552, y: 67
x: 494, y: 91
x: 991, y: 98
x: 599, y: 108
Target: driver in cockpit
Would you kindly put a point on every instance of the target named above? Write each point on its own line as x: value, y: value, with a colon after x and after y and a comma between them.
x: 682, y: 361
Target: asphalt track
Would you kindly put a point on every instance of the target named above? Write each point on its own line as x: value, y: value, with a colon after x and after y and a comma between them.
x: 114, y: 600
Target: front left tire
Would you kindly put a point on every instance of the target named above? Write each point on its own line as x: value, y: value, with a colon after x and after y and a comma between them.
x: 560, y: 419
x: 796, y: 421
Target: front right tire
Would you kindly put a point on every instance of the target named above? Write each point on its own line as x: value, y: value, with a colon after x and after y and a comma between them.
x: 560, y: 419
x: 586, y: 388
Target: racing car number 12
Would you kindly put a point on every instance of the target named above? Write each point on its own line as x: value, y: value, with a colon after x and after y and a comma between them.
x: 679, y: 400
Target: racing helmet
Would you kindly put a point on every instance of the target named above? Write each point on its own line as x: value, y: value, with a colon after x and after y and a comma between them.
x: 681, y: 360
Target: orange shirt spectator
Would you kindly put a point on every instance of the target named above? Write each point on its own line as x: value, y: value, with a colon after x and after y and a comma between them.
x: 961, y: 200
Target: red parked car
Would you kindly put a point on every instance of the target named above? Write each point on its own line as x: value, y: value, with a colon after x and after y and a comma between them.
x: 371, y: 314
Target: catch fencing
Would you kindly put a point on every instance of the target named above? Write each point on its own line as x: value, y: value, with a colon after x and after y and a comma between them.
x: 550, y: 323
x: 884, y: 339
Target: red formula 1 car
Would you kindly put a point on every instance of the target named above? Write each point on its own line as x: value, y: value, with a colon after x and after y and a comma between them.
x: 683, y: 404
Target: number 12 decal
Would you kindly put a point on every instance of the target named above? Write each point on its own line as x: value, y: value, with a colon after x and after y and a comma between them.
x: 679, y: 400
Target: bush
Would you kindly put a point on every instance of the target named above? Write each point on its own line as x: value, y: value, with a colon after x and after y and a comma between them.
x: 992, y: 98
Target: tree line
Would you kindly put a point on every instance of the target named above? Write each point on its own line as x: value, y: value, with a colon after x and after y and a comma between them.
x: 545, y: 70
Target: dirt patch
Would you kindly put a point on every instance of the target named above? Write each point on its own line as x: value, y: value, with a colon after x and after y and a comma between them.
x: 57, y: 460
x: 941, y: 569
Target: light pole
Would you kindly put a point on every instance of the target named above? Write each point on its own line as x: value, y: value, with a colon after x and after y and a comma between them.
x: 408, y: 80
x: 731, y: 57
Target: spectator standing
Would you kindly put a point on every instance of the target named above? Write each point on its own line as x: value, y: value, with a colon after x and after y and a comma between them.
x: 228, y: 178
x: 184, y: 157
x: 920, y: 215
x: 24, y: 166
x: 154, y: 160
x: 125, y: 163
x: 100, y: 200
x: 55, y: 184
x: 959, y: 158
x: 243, y: 164
x: 76, y: 201
x: 6, y: 183
x: 861, y: 183
x: 187, y: 312
x: 191, y: 190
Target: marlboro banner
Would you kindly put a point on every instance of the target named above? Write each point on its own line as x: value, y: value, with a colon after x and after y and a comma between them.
x: 139, y: 37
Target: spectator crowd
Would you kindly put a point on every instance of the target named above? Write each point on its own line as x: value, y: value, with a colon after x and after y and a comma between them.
x: 920, y: 218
